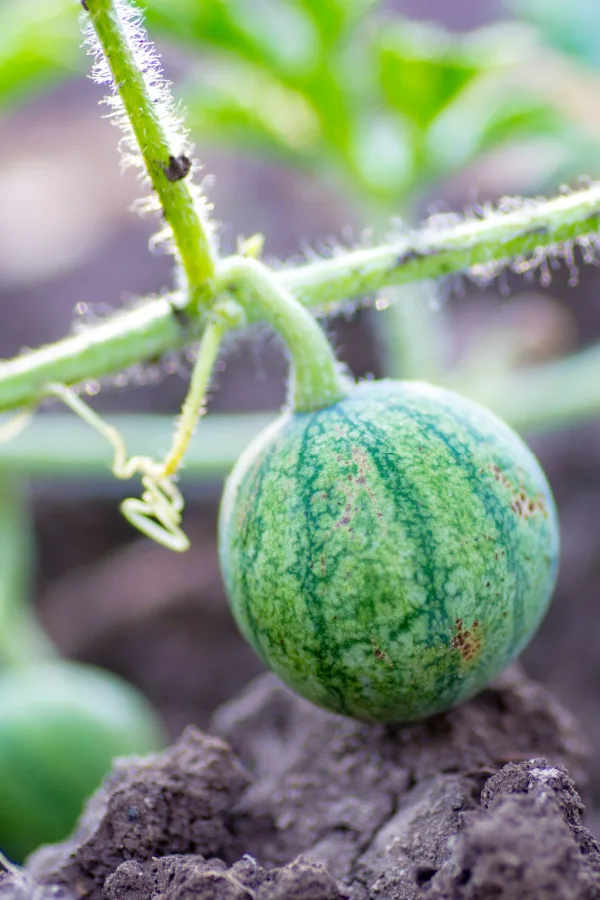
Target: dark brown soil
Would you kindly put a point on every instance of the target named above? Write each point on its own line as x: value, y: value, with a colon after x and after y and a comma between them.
x: 290, y: 802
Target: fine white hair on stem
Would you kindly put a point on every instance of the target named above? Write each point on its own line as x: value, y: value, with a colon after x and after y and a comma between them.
x: 164, y: 109
x: 148, y: 63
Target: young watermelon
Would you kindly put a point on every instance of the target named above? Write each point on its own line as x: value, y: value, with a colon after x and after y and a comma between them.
x: 388, y: 555
x: 61, y: 725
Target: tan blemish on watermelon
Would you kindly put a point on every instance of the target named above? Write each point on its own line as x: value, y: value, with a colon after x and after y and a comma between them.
x: 380, y: 655
x: 524, y: 506
x: 467, y: 641
x: 354, y: 483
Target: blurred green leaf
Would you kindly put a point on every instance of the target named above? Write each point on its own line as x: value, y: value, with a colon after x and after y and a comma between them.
x: 275, y: 34
x: 421, y: 68
x: 241, y: 103
x: 39, y: 40
x: 334, y: 17
x: 384, y: 102
x: 381, y: 154
x: 487, y: 114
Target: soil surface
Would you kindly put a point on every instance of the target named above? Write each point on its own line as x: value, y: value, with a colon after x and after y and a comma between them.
x: 284, y: 801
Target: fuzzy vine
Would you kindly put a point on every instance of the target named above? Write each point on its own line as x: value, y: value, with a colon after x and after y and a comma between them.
x: 154, y: 136
x: 521, y: 238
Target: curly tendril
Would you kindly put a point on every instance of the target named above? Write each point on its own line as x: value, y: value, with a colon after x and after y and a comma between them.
x: 158, y: 512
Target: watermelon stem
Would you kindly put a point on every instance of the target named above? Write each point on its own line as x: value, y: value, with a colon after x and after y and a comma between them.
x: 317, y: 378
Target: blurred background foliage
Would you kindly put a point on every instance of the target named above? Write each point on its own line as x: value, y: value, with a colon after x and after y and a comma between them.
x: 383, y: 104
x: 316, y: 115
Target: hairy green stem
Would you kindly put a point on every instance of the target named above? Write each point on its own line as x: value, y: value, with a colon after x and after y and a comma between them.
x: 168, y: 323
x: 317, y: 380
x: 22, y: 639
x: 475, y: 246
x: 182, y: 206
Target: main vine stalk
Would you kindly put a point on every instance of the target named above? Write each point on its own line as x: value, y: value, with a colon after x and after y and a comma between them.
x: 526, y: 236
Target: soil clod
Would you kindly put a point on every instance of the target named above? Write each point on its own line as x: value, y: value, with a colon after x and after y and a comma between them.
x: 183, y: 800
x: 293, y: 803
x: 194, y: 878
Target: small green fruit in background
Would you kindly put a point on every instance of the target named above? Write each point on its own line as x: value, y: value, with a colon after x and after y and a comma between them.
x: 61, y: 725
x: 388, y: 555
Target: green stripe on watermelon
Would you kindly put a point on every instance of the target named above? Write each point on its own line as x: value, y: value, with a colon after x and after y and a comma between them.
x: 388, y: 555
